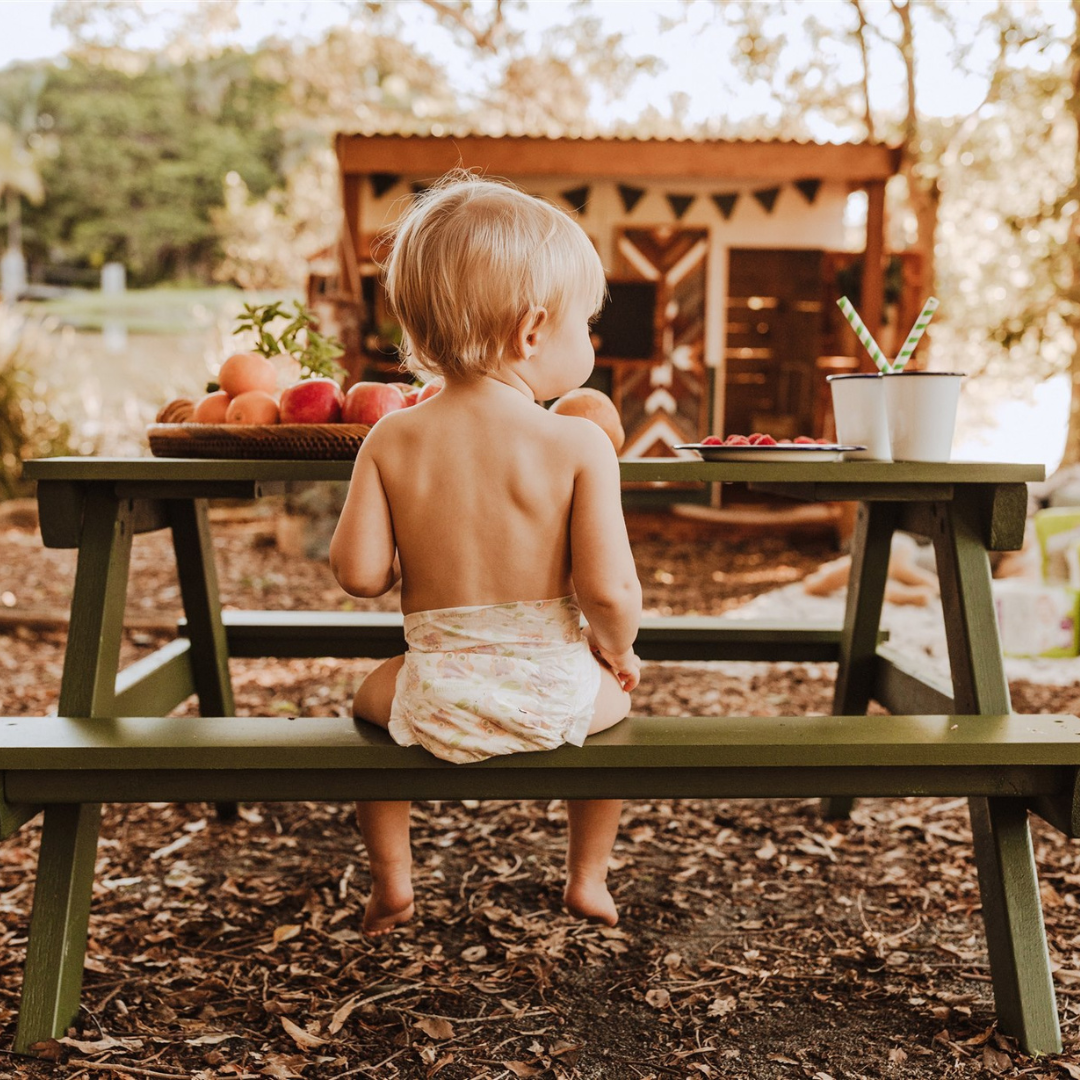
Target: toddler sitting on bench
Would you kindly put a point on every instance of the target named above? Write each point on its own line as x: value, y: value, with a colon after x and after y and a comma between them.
x: 504, y: 518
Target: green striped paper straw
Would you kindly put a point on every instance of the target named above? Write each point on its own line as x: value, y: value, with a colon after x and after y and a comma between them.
x: 917, y: 331
x: 863, y: 334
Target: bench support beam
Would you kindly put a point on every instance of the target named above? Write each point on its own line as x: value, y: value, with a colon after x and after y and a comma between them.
x: 197, y: 571
x: 870, y: 546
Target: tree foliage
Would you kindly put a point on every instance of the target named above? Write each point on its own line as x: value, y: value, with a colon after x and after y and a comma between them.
x: 141, y: 158
x: 986, y: 196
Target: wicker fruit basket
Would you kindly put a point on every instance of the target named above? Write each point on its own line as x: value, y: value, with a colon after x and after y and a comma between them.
x: 279, y: 442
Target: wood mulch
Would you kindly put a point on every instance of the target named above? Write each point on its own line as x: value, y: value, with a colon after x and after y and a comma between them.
x: 756, y: 939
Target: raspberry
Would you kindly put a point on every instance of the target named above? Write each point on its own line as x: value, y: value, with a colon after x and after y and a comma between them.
x: 712, y: 440
x: 736, y: 440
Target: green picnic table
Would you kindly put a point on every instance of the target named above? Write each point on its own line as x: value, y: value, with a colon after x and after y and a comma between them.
x: 114, y: 741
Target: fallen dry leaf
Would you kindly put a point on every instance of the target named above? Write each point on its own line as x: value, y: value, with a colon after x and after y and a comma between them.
x: 435, y: 1027
x: 337, y: 1021
x: 521, y: 1068
x: 304, y: 1039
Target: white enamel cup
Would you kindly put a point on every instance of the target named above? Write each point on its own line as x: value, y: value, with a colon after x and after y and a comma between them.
x: 921, y: 407
x: 859, y: 410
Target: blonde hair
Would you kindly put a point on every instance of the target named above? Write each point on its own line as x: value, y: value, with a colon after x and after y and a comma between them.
x: 470, y: 259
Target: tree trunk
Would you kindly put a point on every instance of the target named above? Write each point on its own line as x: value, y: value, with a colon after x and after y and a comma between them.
x: 14, y: 216
x: 923, y: 185
x: 1072, y: 437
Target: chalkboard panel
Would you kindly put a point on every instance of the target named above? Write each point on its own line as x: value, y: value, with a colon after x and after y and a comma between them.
x: 626, y: 328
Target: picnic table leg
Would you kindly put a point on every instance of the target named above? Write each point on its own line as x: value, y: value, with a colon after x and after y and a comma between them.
x: 870, y: 546
x: 209, y: 653
x: 56, y: 947
x: 1008, y: 880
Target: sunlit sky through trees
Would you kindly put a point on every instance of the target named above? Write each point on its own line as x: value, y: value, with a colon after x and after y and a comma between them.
x: 691, y: 40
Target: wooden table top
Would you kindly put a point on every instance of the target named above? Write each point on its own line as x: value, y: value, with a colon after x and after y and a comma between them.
x: 210, y: 470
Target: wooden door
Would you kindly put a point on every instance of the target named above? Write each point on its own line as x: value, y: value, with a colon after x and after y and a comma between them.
x: 774, y: 325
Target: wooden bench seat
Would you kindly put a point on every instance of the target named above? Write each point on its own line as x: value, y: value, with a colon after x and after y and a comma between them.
x: 135, y: 759
x: 379, y: 634
x: 1007, y: 764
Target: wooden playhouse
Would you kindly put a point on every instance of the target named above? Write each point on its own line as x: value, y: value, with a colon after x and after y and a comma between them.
x: 725, y: 260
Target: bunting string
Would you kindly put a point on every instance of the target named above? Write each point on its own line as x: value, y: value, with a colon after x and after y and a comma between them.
x: 630, y: 196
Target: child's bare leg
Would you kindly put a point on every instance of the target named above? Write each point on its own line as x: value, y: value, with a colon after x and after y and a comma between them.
x: 375, y: 694
x: 384, y: 825
x: 594, y: 824
x: 385, y: 829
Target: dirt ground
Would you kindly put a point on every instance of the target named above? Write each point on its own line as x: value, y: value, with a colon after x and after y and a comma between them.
x: 756, y: 939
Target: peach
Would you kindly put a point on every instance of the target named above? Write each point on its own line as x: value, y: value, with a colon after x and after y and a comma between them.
x: 594, y: 406
x: 211, y: 409
x: 245, y: 371
x: 252, y: 407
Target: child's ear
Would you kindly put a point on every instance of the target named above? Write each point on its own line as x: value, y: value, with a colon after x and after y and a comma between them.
x: 530, y: 331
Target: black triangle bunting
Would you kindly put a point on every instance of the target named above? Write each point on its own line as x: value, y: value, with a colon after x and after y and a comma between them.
x: 726, y: 203
x: 767, y: 198
x: 382, y: 182
x: 630, y: 196
x: 808, y: 189
x: 578, y: 198
x: 418, y: 188
x: 680, y: 204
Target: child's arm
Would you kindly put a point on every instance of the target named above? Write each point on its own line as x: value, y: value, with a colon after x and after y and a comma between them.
x: 601, y: 563
x: 363, y: 555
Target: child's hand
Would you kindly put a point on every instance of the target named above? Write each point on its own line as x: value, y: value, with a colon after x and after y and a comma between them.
x: 625, y: 666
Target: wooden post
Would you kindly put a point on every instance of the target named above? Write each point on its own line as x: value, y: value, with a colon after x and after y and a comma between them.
x: 872, y: 300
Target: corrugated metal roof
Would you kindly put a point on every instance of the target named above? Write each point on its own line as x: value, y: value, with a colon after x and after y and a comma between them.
x: 422, y: 128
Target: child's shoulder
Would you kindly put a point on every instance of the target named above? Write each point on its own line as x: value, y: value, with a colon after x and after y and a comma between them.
x: 389, y: 431
x: 584, y: 437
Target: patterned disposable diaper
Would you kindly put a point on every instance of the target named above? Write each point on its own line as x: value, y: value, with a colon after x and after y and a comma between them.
x: 498, y: 679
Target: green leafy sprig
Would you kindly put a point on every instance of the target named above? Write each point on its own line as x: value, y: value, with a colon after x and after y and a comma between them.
x: 315, y: 353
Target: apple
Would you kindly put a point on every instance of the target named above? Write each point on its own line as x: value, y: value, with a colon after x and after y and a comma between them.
x: 368, y: 402
x: 429, y: 390
x: 311, y: 401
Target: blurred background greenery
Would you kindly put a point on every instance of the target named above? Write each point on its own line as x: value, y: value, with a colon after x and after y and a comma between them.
x: 161, y: 136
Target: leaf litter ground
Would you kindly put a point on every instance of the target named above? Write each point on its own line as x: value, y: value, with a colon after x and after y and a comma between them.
x: 756, y: 939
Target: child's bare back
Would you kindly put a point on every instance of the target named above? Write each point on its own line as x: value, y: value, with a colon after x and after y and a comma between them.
x: 481, y: 481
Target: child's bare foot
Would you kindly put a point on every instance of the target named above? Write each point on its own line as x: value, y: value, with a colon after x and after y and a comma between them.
x: 590, y: 900
x: 390, y: 905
